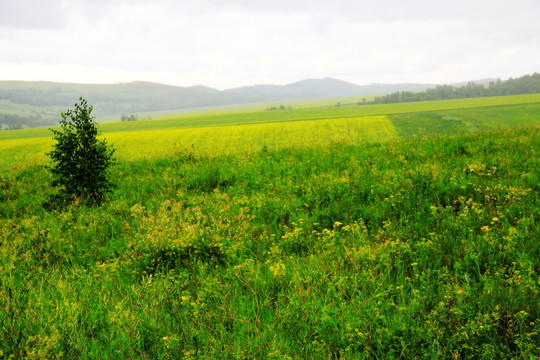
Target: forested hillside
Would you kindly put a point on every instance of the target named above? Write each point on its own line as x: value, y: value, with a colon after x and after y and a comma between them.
x: 528, y: 84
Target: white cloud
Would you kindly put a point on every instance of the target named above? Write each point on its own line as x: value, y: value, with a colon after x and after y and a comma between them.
x: 224, y: 44
x: 32, y: 14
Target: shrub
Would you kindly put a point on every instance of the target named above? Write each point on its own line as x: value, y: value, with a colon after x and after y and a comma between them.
x: 80, y: 160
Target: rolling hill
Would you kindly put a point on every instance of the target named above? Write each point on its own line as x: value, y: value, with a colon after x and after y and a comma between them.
x: 324, y: 88
x: 34, y: 104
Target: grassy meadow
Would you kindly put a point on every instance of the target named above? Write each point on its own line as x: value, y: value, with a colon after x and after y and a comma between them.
x: 351, y: 232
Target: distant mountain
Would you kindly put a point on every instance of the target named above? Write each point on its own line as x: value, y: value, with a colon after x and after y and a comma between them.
x: 312, y: 88
x: 325, y: 88
x: 38, y: 103
x: 111, y: 98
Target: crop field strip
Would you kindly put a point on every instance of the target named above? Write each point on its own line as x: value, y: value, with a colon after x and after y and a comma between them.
x: 240, y: 138
x: 237, y: 118
x: 239, y: 132
x: 318, y: 113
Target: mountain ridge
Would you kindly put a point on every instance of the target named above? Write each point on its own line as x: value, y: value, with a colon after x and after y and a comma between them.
x: 39, y: 103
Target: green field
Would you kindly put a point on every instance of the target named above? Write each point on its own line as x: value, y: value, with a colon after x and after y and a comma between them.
x: 218, y: 133
x: 354, y: 232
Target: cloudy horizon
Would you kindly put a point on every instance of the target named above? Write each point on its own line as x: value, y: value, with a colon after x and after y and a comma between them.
x: 226, y: 44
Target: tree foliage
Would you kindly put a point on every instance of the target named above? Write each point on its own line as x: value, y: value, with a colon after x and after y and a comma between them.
x: 528, y: 84
x: 80, y: 159
x: 15, y: 122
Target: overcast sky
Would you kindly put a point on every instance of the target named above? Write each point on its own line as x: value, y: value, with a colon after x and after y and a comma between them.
x: 232, y: 43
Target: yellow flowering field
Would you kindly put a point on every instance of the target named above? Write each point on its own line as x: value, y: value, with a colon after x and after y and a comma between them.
x: 219, y: 133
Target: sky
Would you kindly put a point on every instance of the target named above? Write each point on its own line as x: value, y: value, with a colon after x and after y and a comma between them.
x: 231, y: 43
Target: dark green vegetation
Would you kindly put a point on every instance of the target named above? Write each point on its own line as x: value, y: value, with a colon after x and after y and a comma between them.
x: 426, y: 248
x: 79, y: 160
x: 528, y: 84
x: 16, y: 122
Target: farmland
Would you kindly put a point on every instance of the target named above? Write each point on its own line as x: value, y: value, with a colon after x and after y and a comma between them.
x: 217, y: 133
x: 396, y: 231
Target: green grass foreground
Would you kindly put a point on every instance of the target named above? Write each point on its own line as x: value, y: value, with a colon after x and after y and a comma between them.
x: 408, y: 249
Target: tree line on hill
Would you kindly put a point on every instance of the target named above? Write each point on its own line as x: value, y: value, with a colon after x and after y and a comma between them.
x: 528, y: 84
x: 37, y: 97
x: 15, y: 122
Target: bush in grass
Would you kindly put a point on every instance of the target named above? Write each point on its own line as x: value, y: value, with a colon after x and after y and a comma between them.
x: 80, y: 160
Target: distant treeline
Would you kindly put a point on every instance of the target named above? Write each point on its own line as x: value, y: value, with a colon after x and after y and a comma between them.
x: 528, y: 84
x: 14, y: 122
x: 124, y: 117
x: 37, y: 97
x: 280, y: 107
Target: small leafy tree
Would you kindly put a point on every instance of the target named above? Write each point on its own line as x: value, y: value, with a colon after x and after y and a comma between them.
x: 80, y: 160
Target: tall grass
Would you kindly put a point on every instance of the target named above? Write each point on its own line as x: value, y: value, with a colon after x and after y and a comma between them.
x: 409, y: 249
